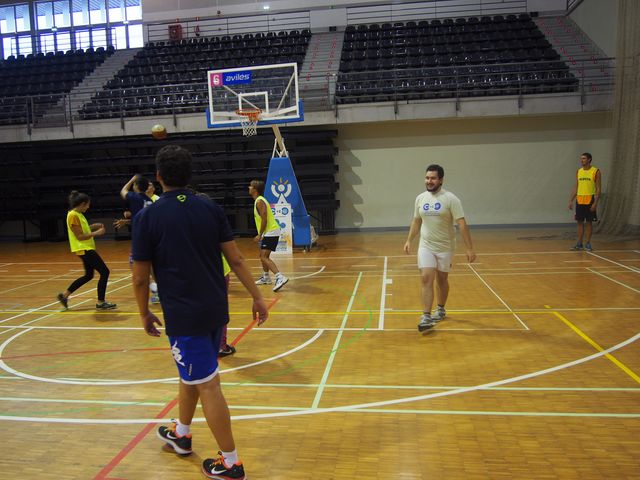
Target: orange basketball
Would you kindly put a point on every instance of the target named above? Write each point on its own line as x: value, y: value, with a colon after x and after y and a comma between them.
x: 159, y: 132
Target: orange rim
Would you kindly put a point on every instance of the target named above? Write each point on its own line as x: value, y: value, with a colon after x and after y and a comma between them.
x: 252, y: 114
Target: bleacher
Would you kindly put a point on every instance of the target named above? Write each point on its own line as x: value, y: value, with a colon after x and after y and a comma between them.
x: 462, y: 57
x: 43, y: 80
x: 166, y: 77
x: 36, y: 177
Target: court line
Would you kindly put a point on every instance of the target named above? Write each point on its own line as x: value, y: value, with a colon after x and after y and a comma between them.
x: 498, y: 297
x: 34, y: 283
x: 383, y: 295
x: 350, y: 408
x: 613, y: 280
x: 103, y: 382
x: 76, y: 295
x: 336, y: 344
x: 310, y: 274
x: 633, y: 269
x: 115, y: 461
x: 591, y: 342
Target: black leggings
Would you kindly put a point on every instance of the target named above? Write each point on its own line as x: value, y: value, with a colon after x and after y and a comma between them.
x: 92, y: 261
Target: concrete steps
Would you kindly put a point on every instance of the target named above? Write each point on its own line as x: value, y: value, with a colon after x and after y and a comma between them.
x: 317, y: 75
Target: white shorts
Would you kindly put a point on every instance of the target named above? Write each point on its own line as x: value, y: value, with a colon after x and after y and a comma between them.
x: 439, y: 261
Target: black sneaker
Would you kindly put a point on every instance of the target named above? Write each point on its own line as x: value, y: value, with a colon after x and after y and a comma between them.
x: 216, y: 468
x: 181, y: 444
x: 63, y: 301
x: 226, y: 350
x: 105, y: 306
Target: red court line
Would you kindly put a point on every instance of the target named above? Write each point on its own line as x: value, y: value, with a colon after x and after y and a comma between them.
x: 102, y: 475
x: 253, y: 323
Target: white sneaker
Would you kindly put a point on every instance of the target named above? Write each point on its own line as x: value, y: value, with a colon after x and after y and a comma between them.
x: 264, y: 281
x: 280, y: 282
x: 438, y: 314
x: 426, y: 322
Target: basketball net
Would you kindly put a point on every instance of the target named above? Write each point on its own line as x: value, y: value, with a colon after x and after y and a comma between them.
x: 249, y: 120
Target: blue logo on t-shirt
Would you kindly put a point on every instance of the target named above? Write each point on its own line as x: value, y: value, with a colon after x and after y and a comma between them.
x: 437, y: 206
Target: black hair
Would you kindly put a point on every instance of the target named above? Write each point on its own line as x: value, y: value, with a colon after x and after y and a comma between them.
x: 436, y: 168
x: 258, y: 185
x: 588, y: 155
x: 174, y: 165
x: 77, y: 198
x: 142, y: 184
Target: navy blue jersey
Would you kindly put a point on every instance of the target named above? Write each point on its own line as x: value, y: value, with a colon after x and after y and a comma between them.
x: 181, y: 234
x: 137, y: 201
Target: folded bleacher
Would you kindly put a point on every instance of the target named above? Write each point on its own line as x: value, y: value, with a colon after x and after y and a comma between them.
x: 448, y: 58
x: 168, y: 77
x: 28, y: 84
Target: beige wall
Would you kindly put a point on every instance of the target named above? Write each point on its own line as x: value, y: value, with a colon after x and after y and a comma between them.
x: 599, y: 20
x: 506, y: 171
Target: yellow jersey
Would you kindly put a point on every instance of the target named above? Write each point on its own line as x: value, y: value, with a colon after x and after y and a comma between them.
x: 586, y: 185
x: 79, y: 246
x: 272, y: 225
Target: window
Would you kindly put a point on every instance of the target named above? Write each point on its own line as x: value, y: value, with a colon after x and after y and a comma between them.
x: 23, y: 18
x: 25, y: 44
x: 47, y: 42
x: 134, y: 9
x: 116, y: 10
x: 97, y: 12
x: 99, y: 37
x: 44, y: 15
x: 63, y: 41
x: 9, y: 46
x: 7, y: 20
x: 61, y: 14
x: 119, y: 36
x: 83, y: 39
x: 80, y: 12
x: 136, y: 37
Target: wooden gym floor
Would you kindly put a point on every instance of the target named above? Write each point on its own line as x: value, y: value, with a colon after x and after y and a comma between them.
x: 534, y: 374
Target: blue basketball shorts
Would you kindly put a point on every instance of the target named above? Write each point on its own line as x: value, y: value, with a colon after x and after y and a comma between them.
x: 196, y: 356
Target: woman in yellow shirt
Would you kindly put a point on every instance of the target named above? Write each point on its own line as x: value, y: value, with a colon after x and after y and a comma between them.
x: 82, y: 243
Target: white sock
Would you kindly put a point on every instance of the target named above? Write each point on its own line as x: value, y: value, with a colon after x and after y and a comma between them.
x: 265, y: 275
x: 230, y: 458
x: 278, y: 275
x: 153, y: 286
x: 182, y: 429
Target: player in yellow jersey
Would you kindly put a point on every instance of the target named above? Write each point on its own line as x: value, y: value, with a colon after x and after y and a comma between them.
x: 82, y: 243
x: 268, y: 235
x: 586, y: 194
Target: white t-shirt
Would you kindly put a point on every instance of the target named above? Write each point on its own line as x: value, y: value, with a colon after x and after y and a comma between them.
x: 438, y: 212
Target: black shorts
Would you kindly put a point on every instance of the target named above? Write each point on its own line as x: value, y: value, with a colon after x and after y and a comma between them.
x: 584, y: 213
x: 269, y: 243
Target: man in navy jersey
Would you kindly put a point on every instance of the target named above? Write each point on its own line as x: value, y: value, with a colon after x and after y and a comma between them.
x: 182, y: 236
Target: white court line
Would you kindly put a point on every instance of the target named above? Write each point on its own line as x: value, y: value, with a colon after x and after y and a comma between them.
x: 74, y: 296
x: 34, y: 283
x: 347, y: 408
x: 521, y: 263
x: 310, y: 274
x: 498, y: 297
x: 633, y: 269
x: 383, y: 296
x: 327, y: 369
x: 613, y: 280
x: 577, y: 261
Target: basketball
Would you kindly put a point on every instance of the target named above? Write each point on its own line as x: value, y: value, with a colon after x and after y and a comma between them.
x: 158, y: 131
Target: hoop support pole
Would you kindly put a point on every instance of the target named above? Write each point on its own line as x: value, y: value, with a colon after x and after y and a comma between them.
x: 279, y: 147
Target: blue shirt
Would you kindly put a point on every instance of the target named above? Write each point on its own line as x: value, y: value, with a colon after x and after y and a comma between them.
x: 137, y: 201
x: 181, y: 234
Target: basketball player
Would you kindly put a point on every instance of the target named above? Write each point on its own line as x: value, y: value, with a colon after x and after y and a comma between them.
x: 268, y: 235
x: 586, y: 193
x: 82, y: 243
x: 183, y: 236
x: 435, y: 213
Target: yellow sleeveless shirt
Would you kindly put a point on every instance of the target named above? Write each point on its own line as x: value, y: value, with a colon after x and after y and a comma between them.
x: 586, y: 185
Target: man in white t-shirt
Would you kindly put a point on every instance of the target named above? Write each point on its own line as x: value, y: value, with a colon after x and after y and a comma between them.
x: 435, y: 212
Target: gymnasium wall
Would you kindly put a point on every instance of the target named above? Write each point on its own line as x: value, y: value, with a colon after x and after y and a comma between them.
x: 505, y: 170
x: 599, y: 20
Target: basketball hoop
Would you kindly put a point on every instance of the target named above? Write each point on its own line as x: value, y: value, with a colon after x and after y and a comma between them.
x: 249, y: 120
